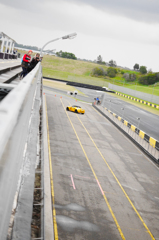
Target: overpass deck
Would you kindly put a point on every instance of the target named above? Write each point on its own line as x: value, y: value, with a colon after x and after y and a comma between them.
x: 9, y: 63
x: 103, y: 187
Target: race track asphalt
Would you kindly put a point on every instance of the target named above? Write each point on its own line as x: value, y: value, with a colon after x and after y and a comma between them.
x: 104, y: 188
x: 149, y: 122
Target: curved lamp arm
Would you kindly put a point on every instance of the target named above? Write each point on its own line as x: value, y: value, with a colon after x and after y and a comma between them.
x: 69, y: 36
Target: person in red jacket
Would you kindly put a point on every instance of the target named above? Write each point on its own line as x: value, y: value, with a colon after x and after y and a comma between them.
x: 25, y: 63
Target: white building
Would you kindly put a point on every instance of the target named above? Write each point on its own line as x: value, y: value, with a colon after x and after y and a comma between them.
x: 6, y: 45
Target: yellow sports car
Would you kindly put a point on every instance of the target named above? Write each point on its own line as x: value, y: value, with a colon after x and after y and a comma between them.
x: 75, y: 109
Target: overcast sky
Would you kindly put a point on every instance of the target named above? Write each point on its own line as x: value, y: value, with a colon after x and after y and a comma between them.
x: 126, y: 31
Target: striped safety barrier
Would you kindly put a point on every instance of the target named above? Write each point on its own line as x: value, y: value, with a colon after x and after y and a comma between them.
x: 145, y: 142
x: 138, y: 100
x: 153, y: 142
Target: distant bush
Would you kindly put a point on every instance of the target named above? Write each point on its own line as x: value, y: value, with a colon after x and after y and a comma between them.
x: 149, y: 79
x: 111, y: 72
x: 132, y: 77
x: 66, y: 55
x: 129, y: 77
x: 126, y: 76
x: 98, y: 71
x: 122, y: 72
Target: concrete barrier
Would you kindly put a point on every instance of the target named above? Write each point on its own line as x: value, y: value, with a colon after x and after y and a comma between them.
x: 140, y: 138
x: 19, y: 141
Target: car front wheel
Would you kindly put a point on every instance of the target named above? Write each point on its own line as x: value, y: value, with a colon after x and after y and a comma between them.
x: 67, y: 109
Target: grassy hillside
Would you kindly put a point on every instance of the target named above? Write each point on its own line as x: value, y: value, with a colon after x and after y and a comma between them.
x: 71, y: 70
x: 75, y: 70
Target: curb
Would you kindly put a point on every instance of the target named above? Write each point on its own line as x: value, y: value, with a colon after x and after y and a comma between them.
x: 138, y: 100
x: 48, y: 217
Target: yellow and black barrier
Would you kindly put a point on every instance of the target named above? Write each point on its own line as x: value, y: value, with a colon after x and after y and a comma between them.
x: 153, y: 142
x: 138, y: 100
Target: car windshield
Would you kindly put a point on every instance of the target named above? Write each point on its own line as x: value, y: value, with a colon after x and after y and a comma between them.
x: 76, y: 106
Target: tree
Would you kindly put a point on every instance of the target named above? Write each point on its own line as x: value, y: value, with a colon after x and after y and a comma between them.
x: 129, y: 77
x: 99, y: 59
x: 136, y: 66
x: 143, y: 69
x: 149, y: 79
x: 112, y: 63
x: 111, y: 72
x: 98, y: 71
x: 66, y: 55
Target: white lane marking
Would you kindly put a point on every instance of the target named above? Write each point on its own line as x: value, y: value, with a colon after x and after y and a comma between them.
x: 157, y: 198
x: 3, y: 77
x: 131, y: 188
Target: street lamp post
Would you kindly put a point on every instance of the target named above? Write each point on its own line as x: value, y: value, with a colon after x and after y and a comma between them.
x: 69, y: 36
x: 123, y: 112
x: 110, y: 104
x: 153, y: 92
x: 138, y: 122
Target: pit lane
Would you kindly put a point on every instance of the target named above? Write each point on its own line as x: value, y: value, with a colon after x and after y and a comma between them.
x: 104, y: 187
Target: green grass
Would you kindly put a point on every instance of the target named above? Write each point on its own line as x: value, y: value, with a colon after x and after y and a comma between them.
x: 61, y: 86
x: 79, y: 71
x: 145, y: 89
x: 76, y: 67
x: 72, y: 70
x: 136, y: 98
x: 131, y: 71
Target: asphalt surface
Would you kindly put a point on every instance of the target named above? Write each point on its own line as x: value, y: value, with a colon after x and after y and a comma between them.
x: 5, y: 76
x: 9, y: 63
x: 104, y: 187
x: 149, y: 122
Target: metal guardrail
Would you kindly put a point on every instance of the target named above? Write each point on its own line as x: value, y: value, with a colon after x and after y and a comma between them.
x: 19, y: 118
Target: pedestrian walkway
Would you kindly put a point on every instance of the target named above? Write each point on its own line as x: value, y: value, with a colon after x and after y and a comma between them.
x: 5, y: 64
x: 9, y: 70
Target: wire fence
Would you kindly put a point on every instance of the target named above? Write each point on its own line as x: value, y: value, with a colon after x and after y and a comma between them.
x: 87, y: 80
x: 141, y: 95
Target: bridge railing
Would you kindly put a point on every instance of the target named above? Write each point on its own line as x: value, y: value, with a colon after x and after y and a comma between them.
x: 19, y: 130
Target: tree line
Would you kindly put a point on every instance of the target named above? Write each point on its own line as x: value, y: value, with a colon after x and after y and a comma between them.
x: 146, y: 77
x: 27, y: 47
x: 66, y: 55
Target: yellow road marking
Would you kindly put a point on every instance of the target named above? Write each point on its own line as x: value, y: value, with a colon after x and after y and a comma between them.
x: 118, y: 182
x: 51, y: 177
x: 105, y: 198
